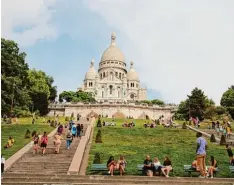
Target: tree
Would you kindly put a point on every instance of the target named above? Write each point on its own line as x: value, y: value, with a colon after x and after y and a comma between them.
x: 157, y: 102
x: 13, y: 77
x: 197, y: 103
x: 79, y: 96
x: 183, y: 111
x: 227, y: 100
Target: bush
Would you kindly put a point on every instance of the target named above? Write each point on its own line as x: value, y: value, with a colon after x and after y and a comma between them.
x: 99, y: 123
x: 27, y: 134
x: 223, y: 140
x: 97, y: 158
x: 184, y: 126
x: 98, y: 137
x: 66, y: 118
x: 212, y: 138
x: 33, y: 133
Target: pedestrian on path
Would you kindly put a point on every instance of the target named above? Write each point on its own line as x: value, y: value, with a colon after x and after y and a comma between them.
x: 44, y: 142
x: 73, y: 130
x: 68, y: 139
x: 57, y: 142
x: 35, y: 143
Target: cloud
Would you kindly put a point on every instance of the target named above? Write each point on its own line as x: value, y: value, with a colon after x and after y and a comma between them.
x: 27, y: 21
x: 176, y: 45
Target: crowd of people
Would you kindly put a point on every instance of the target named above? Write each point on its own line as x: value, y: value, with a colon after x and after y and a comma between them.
x: 223, y: 129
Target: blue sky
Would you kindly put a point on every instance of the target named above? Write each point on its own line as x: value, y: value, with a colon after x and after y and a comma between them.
x: 175, y: 46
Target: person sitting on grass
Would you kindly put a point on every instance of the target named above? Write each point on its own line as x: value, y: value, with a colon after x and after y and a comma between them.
x: 213, y: 167
x: 10, y: 142
x: 147, y: 168
x: 167, y: 167
x: 35, y: 143
x: 121, y: 164
x: 157, y: 166
x: 111, y: 165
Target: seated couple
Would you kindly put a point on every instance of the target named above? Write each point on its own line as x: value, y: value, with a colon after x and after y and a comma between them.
x: 116, y: 165
x: 150, y: 168
x: 210, y: 171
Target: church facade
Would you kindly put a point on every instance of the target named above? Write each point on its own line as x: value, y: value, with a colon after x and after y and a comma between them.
x: 112, y: 82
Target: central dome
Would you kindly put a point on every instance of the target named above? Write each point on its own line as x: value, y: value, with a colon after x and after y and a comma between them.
x: 113, y: 52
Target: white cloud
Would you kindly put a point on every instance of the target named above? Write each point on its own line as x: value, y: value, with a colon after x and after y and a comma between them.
x: 27, y: 21
x: 179, y: 44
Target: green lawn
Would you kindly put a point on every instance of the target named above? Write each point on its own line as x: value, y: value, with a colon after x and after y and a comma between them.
x: 136, y: 143
x: 18, y: 133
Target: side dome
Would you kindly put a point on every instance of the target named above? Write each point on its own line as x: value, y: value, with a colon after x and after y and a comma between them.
x: 91, y: 74
x: 132, y: 74
x: 113, y: 52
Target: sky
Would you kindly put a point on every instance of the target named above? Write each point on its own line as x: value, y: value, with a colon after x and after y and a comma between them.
x: 175, y: 45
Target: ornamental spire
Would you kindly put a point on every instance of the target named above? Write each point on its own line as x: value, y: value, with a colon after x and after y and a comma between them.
x: 113, y: 37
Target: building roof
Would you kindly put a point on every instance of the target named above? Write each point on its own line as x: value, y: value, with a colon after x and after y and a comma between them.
x: 132, y: 74
x: 113, y: 52
x: 91, y: 74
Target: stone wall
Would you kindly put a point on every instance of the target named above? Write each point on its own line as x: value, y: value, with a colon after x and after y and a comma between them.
x: 89, y: 110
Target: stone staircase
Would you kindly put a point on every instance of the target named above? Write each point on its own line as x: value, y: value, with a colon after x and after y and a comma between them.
x: 49, y: 164
x: 59, y: 179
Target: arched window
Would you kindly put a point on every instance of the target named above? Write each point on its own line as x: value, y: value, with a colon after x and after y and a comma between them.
x: 102, y: 94
x: 119, y: 75
x: 101, y: 75
x: 104, y: 75
x: 111, y: 89
x: 116, y: 74
x: 111, y: 75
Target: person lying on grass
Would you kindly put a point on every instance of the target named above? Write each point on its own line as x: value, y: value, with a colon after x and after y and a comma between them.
x: 10, y: 142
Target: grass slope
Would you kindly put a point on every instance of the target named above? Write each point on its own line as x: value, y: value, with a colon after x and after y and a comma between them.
x: 18, y: 132
x: 136, y: 143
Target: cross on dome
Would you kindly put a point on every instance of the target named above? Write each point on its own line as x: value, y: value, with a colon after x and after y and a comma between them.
x: 113, y: 37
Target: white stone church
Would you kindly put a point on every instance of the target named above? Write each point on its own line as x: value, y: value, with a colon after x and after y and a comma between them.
x: 112, y: 82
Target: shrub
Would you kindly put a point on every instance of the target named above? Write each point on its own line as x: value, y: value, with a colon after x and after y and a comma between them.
x: 222, y: 140
x: 157, y: 122
x: 212, y: 138
x: 99, y: 123
x: 66, y: 118
x: 97, y: 158
x: 98, y: 137
x: 184, y: 126
x: 27, y: 134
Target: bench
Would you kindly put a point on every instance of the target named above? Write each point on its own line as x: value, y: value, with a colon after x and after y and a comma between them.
x: 188, y: 169
x: 101, y: 168
x: 231, y: 168
x: 140, y: 169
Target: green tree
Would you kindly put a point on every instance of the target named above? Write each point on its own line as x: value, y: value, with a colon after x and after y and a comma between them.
x: 79, y: 96
x: 157, y: 102
x: 197, y: 103
x: 227, y: 100
x: 13, y: 77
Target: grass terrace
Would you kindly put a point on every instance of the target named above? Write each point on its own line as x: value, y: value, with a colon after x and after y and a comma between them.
x: 135, y: 143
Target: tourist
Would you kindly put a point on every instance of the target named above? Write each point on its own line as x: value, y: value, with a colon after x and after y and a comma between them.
x: 44, y: 142
x: 121, y: 165
x: 35, y: 143
x: 10, y: 142
x: 201, y: 154
x: 213, y: 167
x: 78, y: 130
x: 228, y: 132
x: 167, y: 167
x: 57, y: 142
x: 33, y: 121
x: 230, y: 154
x: 2, y: 164
x: 111, y: 165
x: 147, y: 168
x: 60, y: 129
x: 68, y: 139
x: 157, y: 165
x: 194, y: 164
x: 213, y: 125
x: 82, y: 128
x: 73, y: 130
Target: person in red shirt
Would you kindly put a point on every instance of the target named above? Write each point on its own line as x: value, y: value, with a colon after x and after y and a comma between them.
x: 44, y: 142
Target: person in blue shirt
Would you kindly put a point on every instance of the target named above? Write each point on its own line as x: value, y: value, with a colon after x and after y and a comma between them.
x: 73, y: 130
